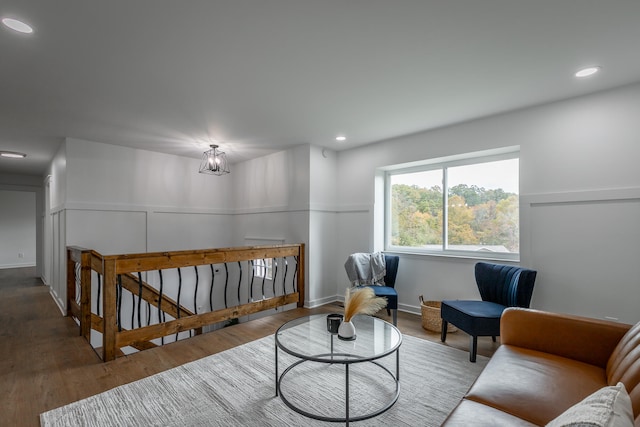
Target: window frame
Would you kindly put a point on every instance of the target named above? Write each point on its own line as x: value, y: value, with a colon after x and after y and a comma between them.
x: 444, y: 164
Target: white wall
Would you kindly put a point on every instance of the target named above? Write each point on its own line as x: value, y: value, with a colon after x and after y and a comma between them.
x: 291, y: 196
x: 123, y: 200
x: 58, y: 178
x: 580, y: 201
x: 29, y: 184
x: 55, y: 189
x: 271, y: 200
x: 116, y: 200
x: 106, y: 174
x: 17, y: 229
x: 321, y: 248
x: 279, y: 181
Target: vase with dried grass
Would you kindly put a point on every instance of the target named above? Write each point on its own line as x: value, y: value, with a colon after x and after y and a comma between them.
x: 358, y: 301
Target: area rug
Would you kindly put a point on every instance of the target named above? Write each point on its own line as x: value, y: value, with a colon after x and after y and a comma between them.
x: 237, y: 388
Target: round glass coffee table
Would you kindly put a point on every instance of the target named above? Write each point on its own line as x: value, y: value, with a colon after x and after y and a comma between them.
x: 308, y: 340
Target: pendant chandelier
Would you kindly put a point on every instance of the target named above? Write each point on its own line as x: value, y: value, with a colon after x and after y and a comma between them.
x: 214, y: 162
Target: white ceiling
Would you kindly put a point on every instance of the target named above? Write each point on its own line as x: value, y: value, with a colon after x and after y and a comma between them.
x: 262, y: 75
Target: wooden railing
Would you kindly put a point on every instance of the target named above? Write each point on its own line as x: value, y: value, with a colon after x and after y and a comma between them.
x: 97, y: 286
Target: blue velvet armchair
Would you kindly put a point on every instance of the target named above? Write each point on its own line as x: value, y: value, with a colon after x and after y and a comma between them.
x: 388, y: 291
x: 500, y: 286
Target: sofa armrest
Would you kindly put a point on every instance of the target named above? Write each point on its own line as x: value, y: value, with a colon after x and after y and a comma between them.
x: 579, y: 338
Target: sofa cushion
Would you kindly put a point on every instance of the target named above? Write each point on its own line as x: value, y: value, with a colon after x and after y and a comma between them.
x: 608, y: 407
x: 533, y: 385
x: 473, y: 413
x: 624, y: 366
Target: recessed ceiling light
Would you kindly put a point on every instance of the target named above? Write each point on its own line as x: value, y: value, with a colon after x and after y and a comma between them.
x: 586, y: 72
x: 12, y: 154
x: 341, y: 138
x: 18, y: 26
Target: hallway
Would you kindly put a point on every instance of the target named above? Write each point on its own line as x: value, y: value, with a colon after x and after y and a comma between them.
x: 37, y: 345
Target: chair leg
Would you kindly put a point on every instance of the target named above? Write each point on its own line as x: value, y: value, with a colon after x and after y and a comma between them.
x: 493, y: 338
x: 443, y: 334
x: 474, y: 349
x: 395, y: 317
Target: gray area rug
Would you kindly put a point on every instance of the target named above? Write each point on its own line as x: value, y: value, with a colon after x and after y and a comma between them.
x: 236, y: 387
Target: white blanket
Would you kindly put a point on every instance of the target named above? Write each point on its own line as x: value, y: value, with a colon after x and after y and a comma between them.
x: 366, y: 269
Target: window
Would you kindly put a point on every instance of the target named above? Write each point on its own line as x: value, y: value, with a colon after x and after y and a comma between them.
x: 263, y: 268
x: 465, y: 207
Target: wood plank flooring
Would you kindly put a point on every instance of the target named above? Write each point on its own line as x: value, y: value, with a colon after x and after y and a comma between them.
x: 44, y: 363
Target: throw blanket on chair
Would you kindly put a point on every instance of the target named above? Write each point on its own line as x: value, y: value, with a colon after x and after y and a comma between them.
x: 366, y: 269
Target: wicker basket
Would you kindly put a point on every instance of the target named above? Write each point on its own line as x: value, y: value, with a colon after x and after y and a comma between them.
x: 431, y: 320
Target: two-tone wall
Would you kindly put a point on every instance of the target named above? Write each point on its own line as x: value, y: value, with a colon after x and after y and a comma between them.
x: 120, y: 200
x: 116, y: 199
x: 580, y: 204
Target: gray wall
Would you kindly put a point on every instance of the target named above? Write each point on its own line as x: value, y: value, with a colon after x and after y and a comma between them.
x: 17, y: 229
x: 580, y: 203
x: 116, y: 200
x: 28, y: 187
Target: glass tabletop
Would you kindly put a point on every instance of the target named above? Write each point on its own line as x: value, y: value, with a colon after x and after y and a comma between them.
x: 307, y: 338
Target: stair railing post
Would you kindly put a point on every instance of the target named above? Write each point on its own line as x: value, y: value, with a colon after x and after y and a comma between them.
x: 85, y: 295
x: 109, y: 311
x: 71, y: 280
x: 301, y: 262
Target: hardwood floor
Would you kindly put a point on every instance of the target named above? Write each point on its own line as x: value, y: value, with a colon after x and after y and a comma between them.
x: 45, y: 364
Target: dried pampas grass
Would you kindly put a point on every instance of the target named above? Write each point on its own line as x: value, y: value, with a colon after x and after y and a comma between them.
x: 362, y: 301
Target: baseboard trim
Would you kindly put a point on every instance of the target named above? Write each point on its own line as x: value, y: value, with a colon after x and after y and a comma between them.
x: 321, y: 301
x: 59, y: 303
x: 407, y: 308
x: 6, y: 266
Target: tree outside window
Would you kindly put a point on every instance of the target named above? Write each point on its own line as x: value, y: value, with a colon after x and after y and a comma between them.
x: 470, y: 206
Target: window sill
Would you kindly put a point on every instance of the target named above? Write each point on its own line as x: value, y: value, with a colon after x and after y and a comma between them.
x: 456, y: 254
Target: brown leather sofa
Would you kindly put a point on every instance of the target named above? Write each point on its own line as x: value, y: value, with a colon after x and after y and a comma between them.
x: 548, y: 362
